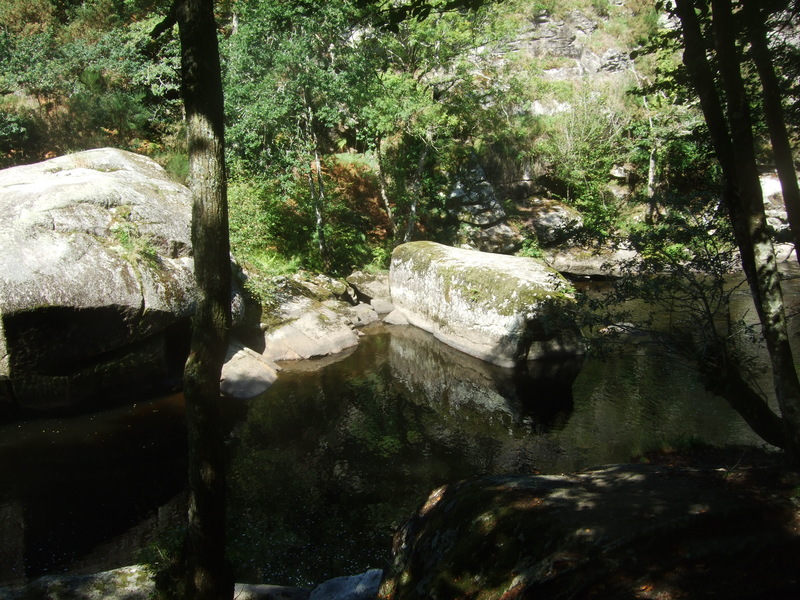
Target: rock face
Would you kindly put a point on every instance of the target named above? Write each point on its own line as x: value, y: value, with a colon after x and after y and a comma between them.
x: 96, y: 278
x: 553, y: 221
x: 501, y: 309
x: 623, y: 531
x: 481, y: 217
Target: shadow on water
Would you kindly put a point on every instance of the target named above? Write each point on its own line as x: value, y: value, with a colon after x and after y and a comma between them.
x: 331, y: 461
x: 337, y: 453
x: 70, y: 484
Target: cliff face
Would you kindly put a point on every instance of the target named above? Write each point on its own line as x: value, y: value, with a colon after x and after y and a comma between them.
x: 570, y: 70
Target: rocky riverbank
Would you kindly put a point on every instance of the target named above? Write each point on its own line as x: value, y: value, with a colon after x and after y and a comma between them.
x: 704, y: 522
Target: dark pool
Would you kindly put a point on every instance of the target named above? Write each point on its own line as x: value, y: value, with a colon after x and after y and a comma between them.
x: 336, y: 454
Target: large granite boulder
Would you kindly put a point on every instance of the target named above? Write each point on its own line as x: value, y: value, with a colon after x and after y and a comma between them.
x: 502, y: 309
x: 96, y: 278
x: 617, y: 532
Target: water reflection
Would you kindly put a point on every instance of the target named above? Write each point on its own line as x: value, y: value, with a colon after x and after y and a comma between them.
x: 329, y: 462
x: 68, y: 485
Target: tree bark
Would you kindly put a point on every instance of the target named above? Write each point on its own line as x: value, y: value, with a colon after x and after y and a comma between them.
x: 416, y: 196
x: 773, y: 109
x: 733, y: 141
x: 775, y: 327
x: 207, y: 574
x: 384, y: 188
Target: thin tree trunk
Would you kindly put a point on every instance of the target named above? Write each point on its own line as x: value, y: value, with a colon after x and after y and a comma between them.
x: 384, y: 191
x: 415, y: 196
x: 316, y: 185
x: 773, y: 109
x: 208, y: 576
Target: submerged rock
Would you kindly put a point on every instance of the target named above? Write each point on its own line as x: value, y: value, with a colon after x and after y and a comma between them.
x: 502, y: 309
x: 96, y: 278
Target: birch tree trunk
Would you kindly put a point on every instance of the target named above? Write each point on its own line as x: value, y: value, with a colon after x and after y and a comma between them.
x: 384, y: 191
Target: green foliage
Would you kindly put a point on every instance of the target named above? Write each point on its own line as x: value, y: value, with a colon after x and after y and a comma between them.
x: 580, y: 147
x: 135, y: 247
x: 680, y: 281
x: 87, y: 81
x: 530, y: 248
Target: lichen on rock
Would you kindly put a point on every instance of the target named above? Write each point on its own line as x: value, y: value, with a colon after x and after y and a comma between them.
x: 502, y: 309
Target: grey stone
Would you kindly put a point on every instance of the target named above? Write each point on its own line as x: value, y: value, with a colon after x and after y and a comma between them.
x: 500, y: 238
x: 246, y: 373
x: 130, y: 583
x: 553, y: 221
x: 381, y: 306
x: 356, y: 587
x: 395, y: 317
x: 316, y: 332
x: 618, y: 531
x: 370, y: 286
x: 95, y: 275
x: 501, y: 309
x: 362, y: 314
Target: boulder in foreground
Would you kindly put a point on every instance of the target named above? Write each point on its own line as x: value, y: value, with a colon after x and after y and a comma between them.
x: 617, y: 532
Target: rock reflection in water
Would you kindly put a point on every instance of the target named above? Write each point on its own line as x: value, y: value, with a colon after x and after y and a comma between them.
x: 328, y: 463
x: 538, y: 394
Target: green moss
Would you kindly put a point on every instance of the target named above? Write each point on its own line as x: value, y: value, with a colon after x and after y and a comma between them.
x: 135, y: 247
x: 480, y: 285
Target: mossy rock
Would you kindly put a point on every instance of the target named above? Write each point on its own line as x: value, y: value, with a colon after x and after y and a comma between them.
x: 618, y: 532
x: 502, y: 309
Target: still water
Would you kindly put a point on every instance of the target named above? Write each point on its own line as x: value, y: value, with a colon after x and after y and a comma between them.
x: 331, y: 459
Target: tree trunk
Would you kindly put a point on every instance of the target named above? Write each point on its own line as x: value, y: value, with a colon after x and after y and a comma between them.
x: 316, y: 185
x: 208, y: 576
x: 384, y: 192
x: 775, y: 327
x: 415, y: 196
x: 742, y: 195
x: 773, y: 109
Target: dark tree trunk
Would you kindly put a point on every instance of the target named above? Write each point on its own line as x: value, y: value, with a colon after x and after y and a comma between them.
x: 734, y: 145
x: 207, y: 573
x: 773, y: 109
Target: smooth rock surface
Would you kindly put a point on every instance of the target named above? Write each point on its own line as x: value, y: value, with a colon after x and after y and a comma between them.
x: 96, y: 277
x: 354, y: 587
x: 316, y: 331
x: 246, y: 373
x: 502, y: 309
x: 128, y: 583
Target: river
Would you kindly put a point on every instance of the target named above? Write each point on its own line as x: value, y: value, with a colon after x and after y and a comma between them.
x: 337, y: 453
